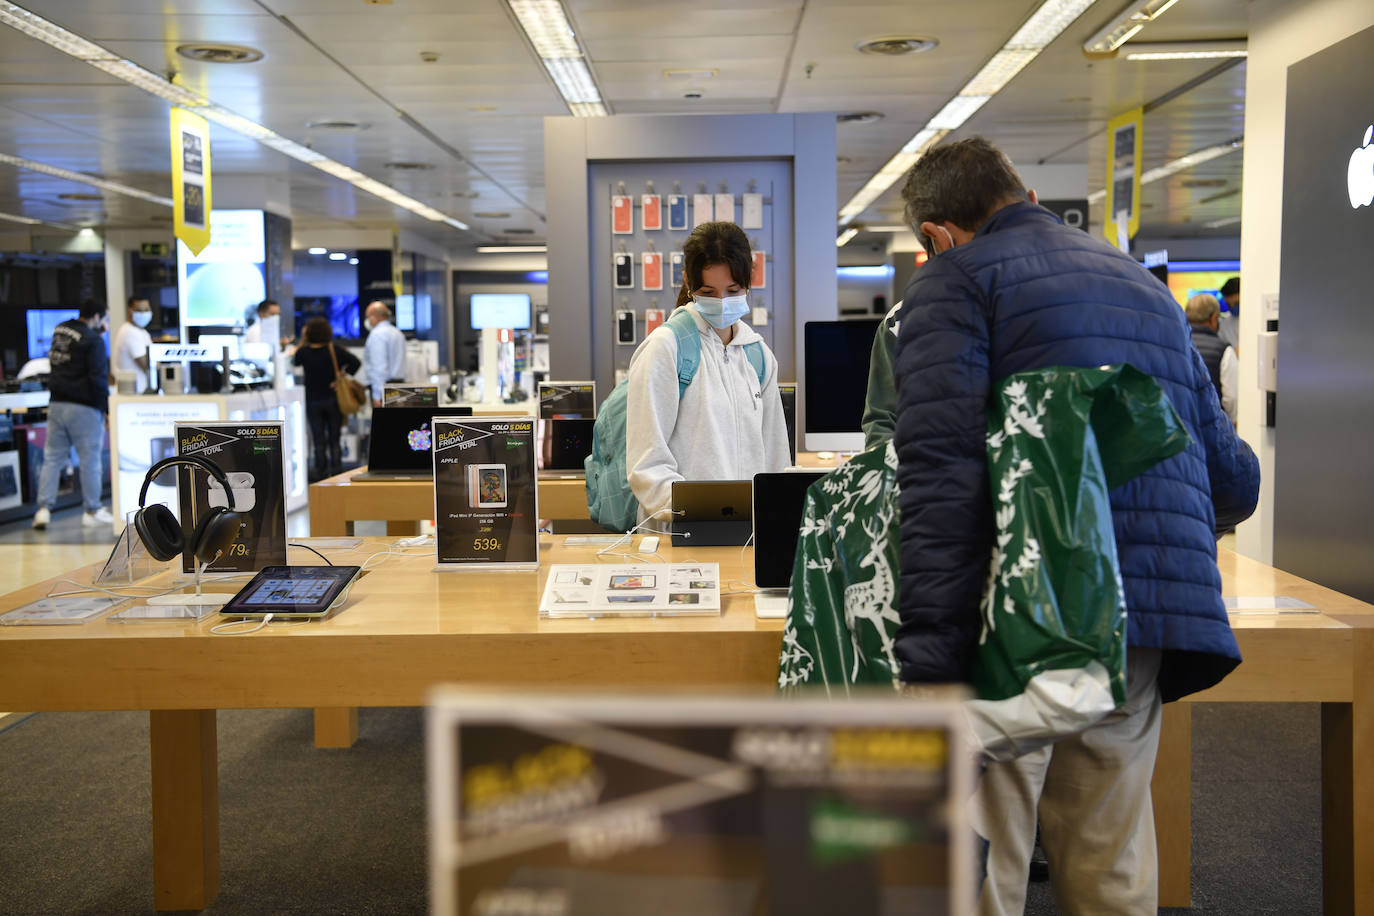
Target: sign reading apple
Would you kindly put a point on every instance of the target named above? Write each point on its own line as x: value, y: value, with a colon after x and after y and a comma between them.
x: 1359, y: 177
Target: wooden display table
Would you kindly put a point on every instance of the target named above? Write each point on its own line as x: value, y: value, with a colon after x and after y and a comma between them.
x: 406, y: 628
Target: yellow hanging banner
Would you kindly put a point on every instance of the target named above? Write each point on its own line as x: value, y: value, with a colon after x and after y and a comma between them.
x: 191, y: 179
x: 397, y: 275
x: 1122, y: 218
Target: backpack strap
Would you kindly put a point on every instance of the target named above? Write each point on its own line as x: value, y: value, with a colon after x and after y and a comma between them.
x: 688, y: 347
x: 754, y: 353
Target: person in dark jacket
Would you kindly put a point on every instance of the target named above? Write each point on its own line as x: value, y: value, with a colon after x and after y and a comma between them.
x: 1217, y: 355
x: 321, y: 403
x: 78, y: 400
x: 1008, y: 289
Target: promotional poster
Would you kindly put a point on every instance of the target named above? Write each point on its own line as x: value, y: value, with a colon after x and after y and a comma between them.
x: 567, y: 400
x: 250, y: 455
x: 679, y: 806
x: 410, y: 395
x: 485, y: 508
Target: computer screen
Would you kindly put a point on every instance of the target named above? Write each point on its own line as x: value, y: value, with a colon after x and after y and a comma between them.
x: 405, y: 312
x: 837, y: 355
x: 500, y: 310
x: 345, y: 319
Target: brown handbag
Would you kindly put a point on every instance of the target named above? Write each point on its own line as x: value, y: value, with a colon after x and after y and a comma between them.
x: 347, y: 390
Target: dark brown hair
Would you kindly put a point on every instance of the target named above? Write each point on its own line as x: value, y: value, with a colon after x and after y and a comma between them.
x: 317, y: 331
x: 711, y: 244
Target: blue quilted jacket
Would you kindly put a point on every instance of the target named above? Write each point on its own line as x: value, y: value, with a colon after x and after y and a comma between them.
x: 1027, y: 293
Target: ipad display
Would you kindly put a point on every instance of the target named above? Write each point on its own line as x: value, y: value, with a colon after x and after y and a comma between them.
x: 291, y: 591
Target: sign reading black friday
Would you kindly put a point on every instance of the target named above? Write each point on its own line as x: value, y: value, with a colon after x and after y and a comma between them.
x: 547, y: 804
x: 485, y: 495
x: 250, y: 455
x: 567, y: 400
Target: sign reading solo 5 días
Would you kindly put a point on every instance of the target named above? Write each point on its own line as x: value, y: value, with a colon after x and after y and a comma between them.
x: 485, y: 493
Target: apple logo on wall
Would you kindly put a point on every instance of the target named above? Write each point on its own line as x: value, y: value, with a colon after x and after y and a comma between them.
x: 1359, y: 177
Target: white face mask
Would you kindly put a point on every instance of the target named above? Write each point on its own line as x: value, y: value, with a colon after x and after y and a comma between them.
x: 721, y: 313
x: 142, y: 319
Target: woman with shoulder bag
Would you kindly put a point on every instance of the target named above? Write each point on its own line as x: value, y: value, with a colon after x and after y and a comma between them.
x: 326, y: 366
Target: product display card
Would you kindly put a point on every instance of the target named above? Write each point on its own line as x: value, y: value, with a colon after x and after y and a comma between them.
x: 703, y: 209
x: 652, y: 270
x: 675, y: 270
x: 758, y: 277
x: 622, y: 214
x: 752, y: 217
x: 64, y: 610
x: 725, y: 208
x: 684, y: 805
x: 624, y: 267
x: 410, y: 395
x: 656, y: 588
x: 567, y: 400
x: 485, y: 510
x: 677, y: 211
x: 651, y: 215
x: 250, y: 455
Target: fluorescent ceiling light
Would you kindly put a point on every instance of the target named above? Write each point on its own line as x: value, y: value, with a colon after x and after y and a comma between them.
x: 30, y: 221
x: 93, y: 180
x: 337, y: 256
x: 102, y: 59
x: 318, y: 250
x: 545, y: 23
x: 1180, y: 164
x: 1124, y: 26
x: 512, y: 249
x: 1046, y: 24
x: 1218, y: 223
x: 843, y: 238
x: 1186, y: 50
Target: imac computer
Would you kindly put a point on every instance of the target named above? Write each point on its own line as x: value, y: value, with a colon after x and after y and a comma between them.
x: 837, y: 354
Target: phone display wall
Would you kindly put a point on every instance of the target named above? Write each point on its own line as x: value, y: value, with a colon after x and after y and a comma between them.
x: 723, y: 184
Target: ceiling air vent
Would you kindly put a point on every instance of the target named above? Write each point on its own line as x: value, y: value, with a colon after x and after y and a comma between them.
x: 336, y: 124
x: 859, y: 117
x: 518, y: 232
x: 219, y: 54
x: 76, y: 195
x: 402, y: 166
x: 897, y: 45
x: 491, y: 214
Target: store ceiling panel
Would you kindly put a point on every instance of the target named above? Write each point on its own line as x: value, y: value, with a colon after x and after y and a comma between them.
x: 485, y: 96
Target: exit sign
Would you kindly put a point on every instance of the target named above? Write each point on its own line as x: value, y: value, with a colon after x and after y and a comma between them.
x: 153, y: 249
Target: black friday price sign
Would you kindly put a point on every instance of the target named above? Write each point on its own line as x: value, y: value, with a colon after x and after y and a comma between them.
x: 486, y: 512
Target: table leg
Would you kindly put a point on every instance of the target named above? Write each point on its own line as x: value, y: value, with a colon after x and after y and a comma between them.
x: 1172, y: 793
x: 327, y: 512
x: 185, y: 774
x: 336, y: 726
x: 1348, y: 792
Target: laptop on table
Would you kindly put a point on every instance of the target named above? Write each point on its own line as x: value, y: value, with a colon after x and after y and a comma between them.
x: 712, y: 513
x: 398, y: 447
x: 778, y: 503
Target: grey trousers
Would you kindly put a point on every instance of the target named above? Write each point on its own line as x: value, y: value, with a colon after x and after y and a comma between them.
x: 1092, y: 793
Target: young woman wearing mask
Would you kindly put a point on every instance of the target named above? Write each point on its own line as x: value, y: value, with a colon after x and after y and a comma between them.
x: 726, y: 425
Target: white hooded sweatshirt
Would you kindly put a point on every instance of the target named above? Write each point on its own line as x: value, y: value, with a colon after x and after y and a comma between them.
x: 726, y: 426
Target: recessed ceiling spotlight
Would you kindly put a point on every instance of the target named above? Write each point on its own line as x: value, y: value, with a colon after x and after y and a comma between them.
x: 897, y: 45
x: 214, y: 53
x: 859, y: 117
x: 402, y: 166
x: 337, y: 124
x: 491, y: 214
x: 318, y: 250
x: 337, y: 256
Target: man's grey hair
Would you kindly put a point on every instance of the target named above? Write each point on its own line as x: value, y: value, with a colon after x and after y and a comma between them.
x: 1201, y: 308
x: 963, y: 182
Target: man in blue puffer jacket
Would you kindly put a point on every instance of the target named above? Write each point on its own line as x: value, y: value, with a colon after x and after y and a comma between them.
x: 1009, y: 288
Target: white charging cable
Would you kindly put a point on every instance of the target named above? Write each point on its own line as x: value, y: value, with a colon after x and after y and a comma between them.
x: 610, y: 548
x: 219, y: 629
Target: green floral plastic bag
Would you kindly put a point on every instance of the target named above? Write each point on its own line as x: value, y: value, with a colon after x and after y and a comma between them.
x: 1051, y: 658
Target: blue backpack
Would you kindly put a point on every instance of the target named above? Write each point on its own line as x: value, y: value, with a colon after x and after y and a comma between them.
x: 610, y: 501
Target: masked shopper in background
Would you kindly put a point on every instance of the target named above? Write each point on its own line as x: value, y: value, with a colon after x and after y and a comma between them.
x: 131, y: 343
x: 728, y: 423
